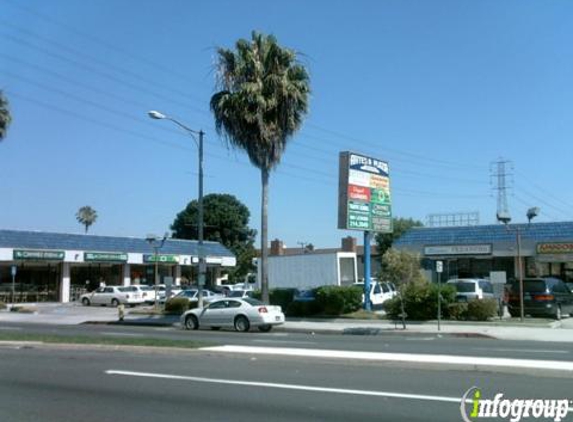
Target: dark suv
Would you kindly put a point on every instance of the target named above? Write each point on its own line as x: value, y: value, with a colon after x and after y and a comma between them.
x: 542, y: 296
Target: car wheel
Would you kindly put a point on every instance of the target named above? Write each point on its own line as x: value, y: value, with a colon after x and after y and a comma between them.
x: 265, y: 328
x: 85, y: 301
x: 242, y: 324
x: 115, y: 303
x: 191, y: 322
x: 558, y: 314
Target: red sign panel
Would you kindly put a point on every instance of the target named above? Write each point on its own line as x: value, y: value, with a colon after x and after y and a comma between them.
x: 358, y: 193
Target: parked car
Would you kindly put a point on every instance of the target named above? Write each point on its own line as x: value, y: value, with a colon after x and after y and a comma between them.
x: 162, y: 292
x: 240, y: 314
x: 193, y: 295
x: 303, y: 296
x: 113, y: 295
x: 241, y: 293
x: 147, y: 292
x: 541, y: 296
x: 472, y: 288
x: 380, y: 292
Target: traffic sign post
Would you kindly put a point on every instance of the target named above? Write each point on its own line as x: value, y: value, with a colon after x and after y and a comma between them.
x: 439, y: 269
x: 13, y: 270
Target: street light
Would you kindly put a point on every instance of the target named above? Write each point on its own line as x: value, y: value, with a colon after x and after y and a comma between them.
x: 154, y: 114
x: 505, y: 219
x: 156, y: 244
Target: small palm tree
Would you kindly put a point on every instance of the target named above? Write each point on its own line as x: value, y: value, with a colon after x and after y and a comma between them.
x: 262, y: 100
x: 86, y: 216
x: 5, y: 117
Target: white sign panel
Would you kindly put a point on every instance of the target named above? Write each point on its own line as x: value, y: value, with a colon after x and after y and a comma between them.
x: 458, y: 250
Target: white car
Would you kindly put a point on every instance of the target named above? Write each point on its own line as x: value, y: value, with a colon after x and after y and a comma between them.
x: 379, y: 292
x: 147, y: 292
x: 113, y: 295
x: 241, y: 294
x: 193, y: 295
x: 240, y: 314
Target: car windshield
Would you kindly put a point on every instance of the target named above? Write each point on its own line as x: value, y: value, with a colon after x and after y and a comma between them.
x: 531, y: 286
x: 486, y: 286
x: 253, y: 302
x: 235, y: 293
x: 465, y: 286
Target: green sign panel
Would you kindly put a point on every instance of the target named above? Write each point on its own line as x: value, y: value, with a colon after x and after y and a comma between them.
x: 163, y: 259
x: 35, y: 255
x: 105, y: 257
x: 364, y: 194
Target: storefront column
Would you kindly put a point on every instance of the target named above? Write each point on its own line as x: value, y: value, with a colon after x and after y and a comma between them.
x: 178, y: 275
x: 126, y: 275
x: 65, y: 284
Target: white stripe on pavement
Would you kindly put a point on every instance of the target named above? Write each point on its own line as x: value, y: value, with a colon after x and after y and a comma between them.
x: 565, y: 352
x: 468, y: 361
x: 290, y: 386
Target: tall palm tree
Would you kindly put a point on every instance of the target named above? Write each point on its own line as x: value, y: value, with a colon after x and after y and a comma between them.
x: 5, y: 117
x: 262, y: 98
x: 86, y: 216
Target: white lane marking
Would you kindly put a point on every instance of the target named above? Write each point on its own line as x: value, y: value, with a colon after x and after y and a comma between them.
x: 11, y: 328
x: 290, y: 386
x: 109, y: 333
x: 524, y: 350
x: 468, y: 361
x: 283, y: 341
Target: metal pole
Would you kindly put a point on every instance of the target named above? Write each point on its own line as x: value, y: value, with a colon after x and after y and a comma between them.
x: 520, y: 269
x: 439, y: 300
x: 13, y: 286
x: 156, y: 276
x: 202, y: 264
x: 367, y: 304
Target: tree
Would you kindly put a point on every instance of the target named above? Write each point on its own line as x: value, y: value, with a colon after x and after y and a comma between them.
x: 401, y: 267
x: 261, y: 102
x: 5, y: 116
x: 226, y: 221
x: 384, y: 241
x: 86, y: 216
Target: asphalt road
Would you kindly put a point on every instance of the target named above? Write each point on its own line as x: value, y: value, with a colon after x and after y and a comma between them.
x: 44, y: 383
x: 384, y: 342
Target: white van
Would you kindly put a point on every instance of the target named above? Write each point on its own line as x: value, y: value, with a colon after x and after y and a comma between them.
x: 380, y: 292
x: 472, y: 288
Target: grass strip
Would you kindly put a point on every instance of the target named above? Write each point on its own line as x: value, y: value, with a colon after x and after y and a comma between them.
x: 110, y: 341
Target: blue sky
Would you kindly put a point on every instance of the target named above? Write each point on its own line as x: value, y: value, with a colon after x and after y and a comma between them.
x: 439, y: 89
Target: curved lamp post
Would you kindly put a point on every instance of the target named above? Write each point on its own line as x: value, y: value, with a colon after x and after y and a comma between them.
x: 505, y: 219
x: 199, y: 142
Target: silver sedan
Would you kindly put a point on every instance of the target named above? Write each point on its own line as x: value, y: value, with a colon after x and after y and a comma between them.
x: 240, y: 314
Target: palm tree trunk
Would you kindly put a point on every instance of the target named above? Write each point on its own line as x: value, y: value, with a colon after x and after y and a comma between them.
x: 87, y: 225
x: 264, y: 235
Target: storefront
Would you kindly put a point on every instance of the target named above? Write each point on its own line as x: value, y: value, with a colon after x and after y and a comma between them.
x: 480, y: 251
x: 55, y: 267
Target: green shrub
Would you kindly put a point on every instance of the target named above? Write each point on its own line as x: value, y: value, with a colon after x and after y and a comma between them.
x: 178, y: 305
x: 338, y: 300
x: 281, y: 297
x: 458, y: 311
x: 421, y: 301
x: 302, y: 309
x: 482, y: 309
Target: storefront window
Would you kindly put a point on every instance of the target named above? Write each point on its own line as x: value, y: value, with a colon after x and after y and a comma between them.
x: 34, y: 282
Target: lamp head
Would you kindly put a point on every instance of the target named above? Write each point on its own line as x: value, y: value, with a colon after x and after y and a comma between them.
x: 532, y: 213
x: 150, y: 238
x: 503, y: 217
x: 154, y: 114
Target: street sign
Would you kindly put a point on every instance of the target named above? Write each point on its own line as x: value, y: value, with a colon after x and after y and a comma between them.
x: 439, y: 266
x: 13, y: 270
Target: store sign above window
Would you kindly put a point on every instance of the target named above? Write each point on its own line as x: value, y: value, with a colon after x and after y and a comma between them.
x: 458, y: 250
x: 32, y: 255
x: 163, y: 259
x: 105, y: 257
x: 555, y: 248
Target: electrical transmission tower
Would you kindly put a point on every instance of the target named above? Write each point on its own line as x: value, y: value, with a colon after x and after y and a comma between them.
x: 500, y: 173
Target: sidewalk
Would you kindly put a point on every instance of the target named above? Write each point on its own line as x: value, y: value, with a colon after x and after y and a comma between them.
x: 530, y: 330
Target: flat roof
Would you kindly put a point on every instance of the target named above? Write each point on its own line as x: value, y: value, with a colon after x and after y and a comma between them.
x: 468, y: 235
x: 18, y: 239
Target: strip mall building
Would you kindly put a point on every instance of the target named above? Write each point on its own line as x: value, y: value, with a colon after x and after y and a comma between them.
x: 477, y: 251
x: 58, y: 267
